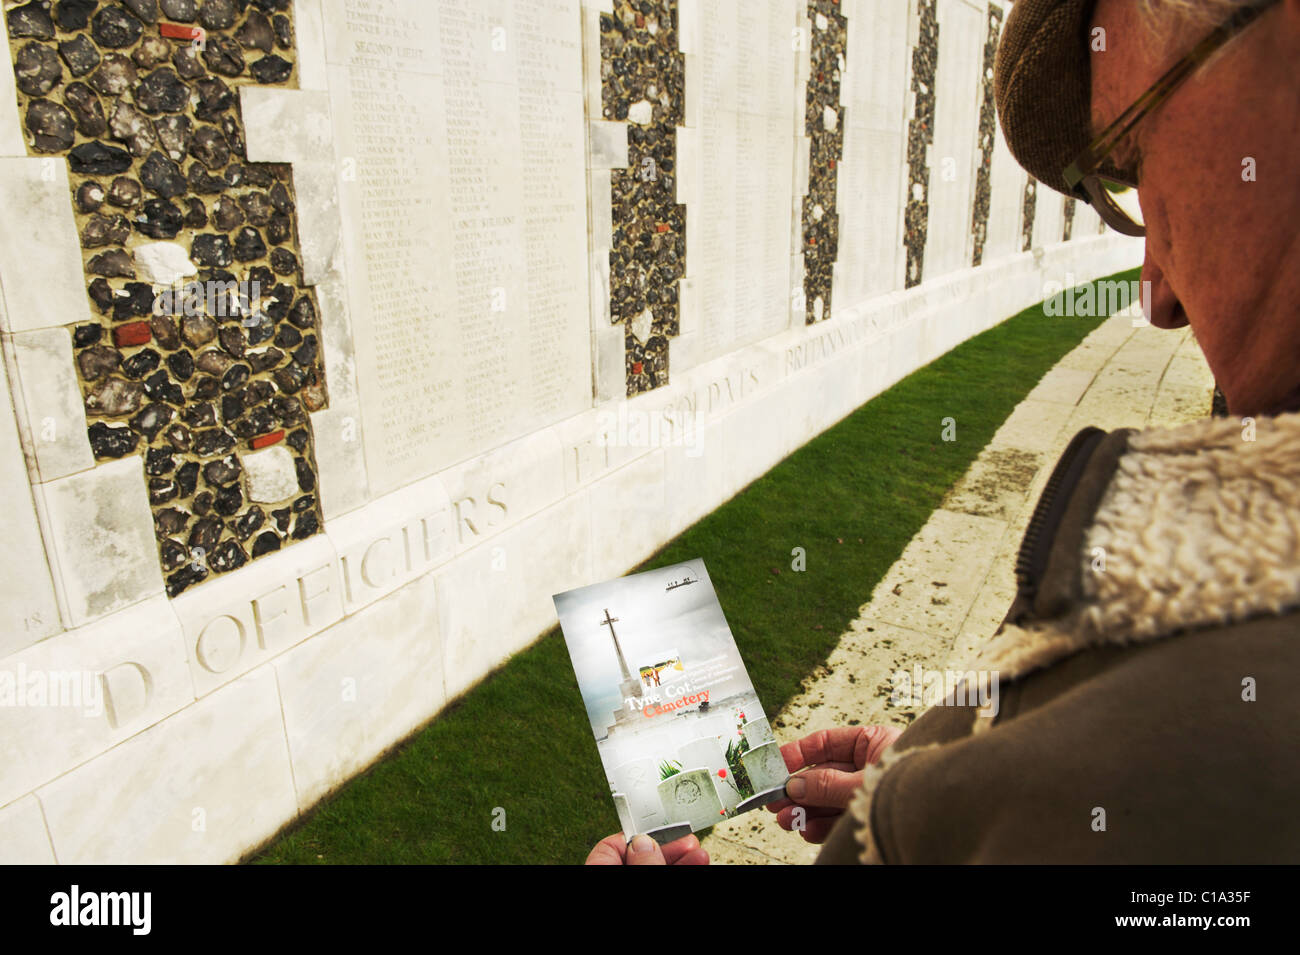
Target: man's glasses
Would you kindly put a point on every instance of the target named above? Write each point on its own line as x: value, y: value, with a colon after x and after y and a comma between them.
x: 1112, y: 196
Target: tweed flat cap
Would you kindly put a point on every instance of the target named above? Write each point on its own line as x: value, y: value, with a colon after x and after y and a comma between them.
x: 1042, y: 82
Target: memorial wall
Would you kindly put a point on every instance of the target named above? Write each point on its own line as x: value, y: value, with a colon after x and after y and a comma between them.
x: 339, y: 335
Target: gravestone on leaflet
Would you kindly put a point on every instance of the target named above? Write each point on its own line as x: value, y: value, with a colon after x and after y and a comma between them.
x: 460, y: 127
x: 766, y: 769
x: 691, y: 797
x: 638, y: 782
x: 707, y: 752
x: 758, y: 732
x: 624, y: 809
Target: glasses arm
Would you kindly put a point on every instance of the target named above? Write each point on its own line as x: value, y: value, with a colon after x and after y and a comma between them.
x: 1091, y: 158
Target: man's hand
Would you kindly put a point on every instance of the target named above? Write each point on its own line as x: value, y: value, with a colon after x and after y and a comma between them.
x: 615, y: 850
x: 838, y: 757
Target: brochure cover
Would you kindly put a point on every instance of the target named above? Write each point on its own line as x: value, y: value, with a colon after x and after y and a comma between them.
x: 677, y: 723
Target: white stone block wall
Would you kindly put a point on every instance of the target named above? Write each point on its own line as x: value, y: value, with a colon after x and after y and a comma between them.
x: 196, y: 727
x: 954, y: 154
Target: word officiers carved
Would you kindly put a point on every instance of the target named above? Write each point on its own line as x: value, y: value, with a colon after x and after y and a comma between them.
x: 270, y: 620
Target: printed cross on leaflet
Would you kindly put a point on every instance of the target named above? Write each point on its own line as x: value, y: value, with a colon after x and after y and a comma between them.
x: 609, y: 622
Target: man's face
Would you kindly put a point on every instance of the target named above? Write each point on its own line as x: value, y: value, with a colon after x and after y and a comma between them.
x: 1219, y: 192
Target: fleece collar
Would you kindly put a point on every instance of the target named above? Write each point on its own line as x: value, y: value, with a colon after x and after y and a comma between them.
x: 1199, y: 526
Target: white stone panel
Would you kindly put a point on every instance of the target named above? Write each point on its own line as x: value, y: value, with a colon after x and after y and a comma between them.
x: 628, y: 516
x: 1086, y: 220
x: 1006, y: 197
x: 873, y: 172
x: 601, y: 228
x: 344, y: 699
x: 50, y: 288
x: 697, y: 476
x: 100, y: 530
x: 309, y: 42
x: 340, y: 459
x: 392, y: 541
x: 755, y: 437
x: 740, y: 164
x: 27, y: 602
x: 201, y: 787
x: 294, y: 126
x: 502, y: 291
x: 496, y: 599
x: 23, y: 839
x: 591, y: 443
x: 688, y: 22
x: 954, y: 154
x: 1049, y: 217
x: 12, y: 140
x: 236, y: 621
x: 691, y: 94
x: 69, y: 698
x: 609, y: 355
x: 591, y: 88
x: 608, y: 144
x: 498, y: 489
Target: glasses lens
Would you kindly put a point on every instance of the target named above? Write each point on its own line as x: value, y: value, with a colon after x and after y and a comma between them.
x: 1117, y: 203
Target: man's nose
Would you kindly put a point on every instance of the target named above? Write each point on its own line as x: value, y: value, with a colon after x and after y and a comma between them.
x: 1159, y: 301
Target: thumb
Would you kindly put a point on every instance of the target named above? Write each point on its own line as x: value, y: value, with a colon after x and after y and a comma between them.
x: 832, y: 788
x: 645, y: 851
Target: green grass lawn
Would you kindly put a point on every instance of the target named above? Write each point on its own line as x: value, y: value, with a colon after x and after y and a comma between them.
x: 852, y: 498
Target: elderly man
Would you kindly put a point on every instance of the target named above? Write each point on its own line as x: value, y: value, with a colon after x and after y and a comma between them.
x: 1145, y: 710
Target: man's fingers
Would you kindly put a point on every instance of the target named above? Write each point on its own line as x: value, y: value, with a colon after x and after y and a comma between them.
x: 818, y: 830
x: 823, y: 787
x: 609, y: 851
x: 615, y: 850
x: 694, y: 857
x: 880, y: 738
x: 837, y: 745
x: 786, y: 817
x: 645, y: 851
x: 674, y: 851
x: 856, y: 745
x: 780, y: 804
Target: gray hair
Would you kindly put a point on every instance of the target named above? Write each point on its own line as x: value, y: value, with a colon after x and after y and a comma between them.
x: 1173, y: 24
x: 1203, y: 12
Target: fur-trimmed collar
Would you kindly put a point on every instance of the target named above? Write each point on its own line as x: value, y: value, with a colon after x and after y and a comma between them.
x: 1199, y: 526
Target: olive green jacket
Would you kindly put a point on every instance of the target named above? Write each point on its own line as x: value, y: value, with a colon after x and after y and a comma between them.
x: 1146, y: 701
